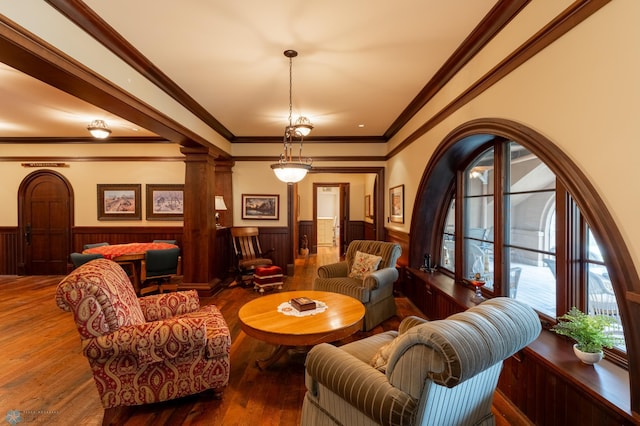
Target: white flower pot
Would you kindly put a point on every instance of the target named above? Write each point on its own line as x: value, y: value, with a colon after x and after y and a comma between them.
x: 588, y: 357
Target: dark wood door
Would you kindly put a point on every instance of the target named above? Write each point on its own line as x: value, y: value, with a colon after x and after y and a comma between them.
x: 45, y: 223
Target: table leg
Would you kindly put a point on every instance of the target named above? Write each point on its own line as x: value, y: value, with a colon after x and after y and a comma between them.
x: 280, y: 350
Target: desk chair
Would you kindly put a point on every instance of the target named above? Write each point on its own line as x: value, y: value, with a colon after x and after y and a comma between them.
x: 246, y: 246
x: 159, y: 269
x: 80, y: 259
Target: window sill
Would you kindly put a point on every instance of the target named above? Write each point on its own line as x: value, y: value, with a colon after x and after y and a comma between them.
x: 605, y: 382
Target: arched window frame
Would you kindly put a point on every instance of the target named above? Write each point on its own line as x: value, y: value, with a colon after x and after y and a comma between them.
x: 439, y: 182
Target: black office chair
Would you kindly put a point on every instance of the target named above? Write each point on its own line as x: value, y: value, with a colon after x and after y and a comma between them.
x: 80, y: 259
x: 159, y: 271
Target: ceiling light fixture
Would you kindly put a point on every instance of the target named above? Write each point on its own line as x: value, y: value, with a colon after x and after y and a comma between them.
x: 288, y: 170
x: 99, y: 129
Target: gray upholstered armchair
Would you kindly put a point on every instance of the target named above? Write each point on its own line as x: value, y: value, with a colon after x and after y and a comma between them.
x: 373, y: 288
x: 428, y: 373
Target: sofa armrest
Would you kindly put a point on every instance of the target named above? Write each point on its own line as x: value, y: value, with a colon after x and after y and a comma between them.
x: 150, y: 342
x: 334, y: 270
x: 380, y: 278
x: 168, y: 305
x: 410, y: 322
x: 359, y: 384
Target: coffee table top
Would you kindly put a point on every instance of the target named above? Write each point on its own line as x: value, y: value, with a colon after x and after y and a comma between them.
x: 260, y: 319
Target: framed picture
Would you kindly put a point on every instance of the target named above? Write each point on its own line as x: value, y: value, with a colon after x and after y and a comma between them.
x: 119, y: 202
x: 367, y: 206
x: 260, y: 206
x: 396, y: 204
x: 165, y: 202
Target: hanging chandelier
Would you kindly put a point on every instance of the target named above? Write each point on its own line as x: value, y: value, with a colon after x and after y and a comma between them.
x: 287, y: 169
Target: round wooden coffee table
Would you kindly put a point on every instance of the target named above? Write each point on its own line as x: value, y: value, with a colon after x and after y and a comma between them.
x: 260, y: 319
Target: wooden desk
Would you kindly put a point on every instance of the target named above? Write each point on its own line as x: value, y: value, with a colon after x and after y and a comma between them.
x: 129, y: 254
x: 260, y: 319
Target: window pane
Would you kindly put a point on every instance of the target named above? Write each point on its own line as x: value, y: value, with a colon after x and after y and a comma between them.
x: 527, y: 172
x: 601, y: 299
x: 448, y: 255
x: 532, y: 280
x: 532, y: 220
x: 479, y: 175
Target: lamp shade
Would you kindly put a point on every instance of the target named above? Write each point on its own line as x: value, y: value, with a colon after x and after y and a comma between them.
x: 219, y: 203
x: 291, y: 172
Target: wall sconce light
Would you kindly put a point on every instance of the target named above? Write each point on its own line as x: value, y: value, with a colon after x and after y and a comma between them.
x: 99, y: 129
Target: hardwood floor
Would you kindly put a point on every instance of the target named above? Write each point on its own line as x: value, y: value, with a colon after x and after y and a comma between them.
x: 46, y: 378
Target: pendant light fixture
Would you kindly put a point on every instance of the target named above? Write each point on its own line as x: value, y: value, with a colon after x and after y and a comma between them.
x: 287, y: 169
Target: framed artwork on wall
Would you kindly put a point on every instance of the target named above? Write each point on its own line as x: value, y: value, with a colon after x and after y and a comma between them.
x: 263, y: 207
x: 165, y: 202
x: 119, y: 202
x: 396, y: 204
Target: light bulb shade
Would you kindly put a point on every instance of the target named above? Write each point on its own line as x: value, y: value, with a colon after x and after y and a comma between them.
x: 99, y: 129
x: 219, y: 203
x: 291, y: 172
x: 303, y: 126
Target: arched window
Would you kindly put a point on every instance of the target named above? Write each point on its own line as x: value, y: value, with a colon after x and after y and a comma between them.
x: 508, y: 205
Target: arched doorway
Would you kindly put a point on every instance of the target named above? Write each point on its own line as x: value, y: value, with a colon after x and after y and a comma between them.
x: 45, y: 217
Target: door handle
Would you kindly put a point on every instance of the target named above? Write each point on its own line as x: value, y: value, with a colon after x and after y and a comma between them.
x: 27, y: 234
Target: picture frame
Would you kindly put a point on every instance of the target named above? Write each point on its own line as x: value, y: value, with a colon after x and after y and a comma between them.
x: 396, y: 204
x: 119, y: 201
x: 165, y: 202
x: 261, y: 207
x: 367, y: 206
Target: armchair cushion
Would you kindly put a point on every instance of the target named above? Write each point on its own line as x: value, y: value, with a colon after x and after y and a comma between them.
x: 364, y: 264
x: 168, y: 305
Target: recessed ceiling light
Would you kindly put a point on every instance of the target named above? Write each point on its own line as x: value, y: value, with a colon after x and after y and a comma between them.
x: 361, y: 125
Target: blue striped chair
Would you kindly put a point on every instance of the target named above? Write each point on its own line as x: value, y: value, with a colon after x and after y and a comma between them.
x: 427, y: 373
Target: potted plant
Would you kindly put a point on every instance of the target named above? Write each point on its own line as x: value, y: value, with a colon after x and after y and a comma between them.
x: 589, y: 332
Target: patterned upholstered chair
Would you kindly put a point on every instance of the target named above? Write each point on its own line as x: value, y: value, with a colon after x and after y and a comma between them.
x: 428, y: 373
x: 145, y: 350
x: 370, y: 283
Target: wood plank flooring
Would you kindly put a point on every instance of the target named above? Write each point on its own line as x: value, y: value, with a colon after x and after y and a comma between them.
x: 45, y: 377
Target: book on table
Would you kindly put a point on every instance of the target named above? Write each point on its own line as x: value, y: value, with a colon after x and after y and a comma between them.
x: 302, y: 303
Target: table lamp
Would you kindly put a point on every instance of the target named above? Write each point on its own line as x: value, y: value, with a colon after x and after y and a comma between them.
x: 219, y: 206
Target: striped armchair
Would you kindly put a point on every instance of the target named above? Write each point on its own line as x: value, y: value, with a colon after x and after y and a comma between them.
x: 144, y: 350
x: 428, y: 373
x: 375, y: 289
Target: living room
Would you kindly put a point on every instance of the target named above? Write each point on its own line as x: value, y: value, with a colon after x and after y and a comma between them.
x: 548, y: 84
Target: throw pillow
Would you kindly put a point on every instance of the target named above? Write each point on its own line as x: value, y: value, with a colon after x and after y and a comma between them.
x: 381, y: 357
x: 364, y: 264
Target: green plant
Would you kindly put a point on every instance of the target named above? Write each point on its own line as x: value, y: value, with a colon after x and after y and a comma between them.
x: 589, y: 331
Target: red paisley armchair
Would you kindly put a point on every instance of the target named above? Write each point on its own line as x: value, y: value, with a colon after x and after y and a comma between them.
x: 149, y: 349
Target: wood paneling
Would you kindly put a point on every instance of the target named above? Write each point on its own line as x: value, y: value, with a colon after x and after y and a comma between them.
x: 401, y: 238
x: 277, y: 238
x: 305, y: 227
x: 82, y: 235
x: 8, y: 250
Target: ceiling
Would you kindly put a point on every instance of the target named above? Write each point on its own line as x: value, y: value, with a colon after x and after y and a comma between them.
x: 360, y: 64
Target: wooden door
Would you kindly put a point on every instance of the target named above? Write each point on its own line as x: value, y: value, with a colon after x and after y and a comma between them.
x: 45, y: 217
